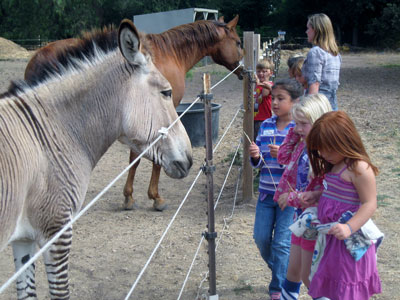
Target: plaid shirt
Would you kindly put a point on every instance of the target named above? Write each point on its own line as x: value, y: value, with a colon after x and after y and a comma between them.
x: 321, y: 66
x: 270, y: 175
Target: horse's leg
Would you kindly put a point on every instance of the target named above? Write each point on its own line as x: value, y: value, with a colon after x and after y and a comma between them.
x: 129, y: 203
x: 56, y: 263
x: 159, y: 203
x: 23, y: 251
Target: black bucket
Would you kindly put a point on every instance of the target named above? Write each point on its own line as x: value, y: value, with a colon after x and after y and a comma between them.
x: 193, y: 120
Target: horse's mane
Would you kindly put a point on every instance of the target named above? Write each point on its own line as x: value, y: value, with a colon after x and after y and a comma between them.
x: 180, y: 40
x: 84, y: 48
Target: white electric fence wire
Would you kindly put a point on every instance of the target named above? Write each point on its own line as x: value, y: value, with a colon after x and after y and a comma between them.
x: 226, y: 131
x: 91, y: 203
x: 202, y: 238
x: 158, y: 244
x: 219, y: 82
x: 162, y: 132
x: 162, y: 237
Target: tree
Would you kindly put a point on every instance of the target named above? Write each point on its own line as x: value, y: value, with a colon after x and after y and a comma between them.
x: 385, y: 29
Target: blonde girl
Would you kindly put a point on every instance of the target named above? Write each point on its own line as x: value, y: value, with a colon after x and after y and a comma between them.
x: 336, y: 152
x: 295, y: 179
x: 322, y: 65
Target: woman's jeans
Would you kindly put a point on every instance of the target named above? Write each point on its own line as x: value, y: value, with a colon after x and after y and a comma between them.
x: 272, y: 237
x: 331, y: 95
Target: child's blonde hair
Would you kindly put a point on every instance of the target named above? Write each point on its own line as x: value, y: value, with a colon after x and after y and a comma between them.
x: 265, y: 64
x: 311, y: 107
x: 324, y: 36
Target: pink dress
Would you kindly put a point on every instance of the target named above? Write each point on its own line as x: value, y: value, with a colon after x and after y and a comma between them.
x: 339, y: 276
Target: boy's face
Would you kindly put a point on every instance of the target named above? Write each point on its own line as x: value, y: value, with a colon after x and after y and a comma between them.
x: 263, y: 74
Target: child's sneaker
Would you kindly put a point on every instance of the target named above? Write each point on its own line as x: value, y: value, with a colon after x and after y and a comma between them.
x: 275, y: 296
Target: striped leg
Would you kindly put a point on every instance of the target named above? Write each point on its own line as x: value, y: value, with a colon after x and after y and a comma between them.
x: 56, y: 262
x: 23, y: 251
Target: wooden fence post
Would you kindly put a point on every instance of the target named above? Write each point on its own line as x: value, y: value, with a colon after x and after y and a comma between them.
x: 248, y: 118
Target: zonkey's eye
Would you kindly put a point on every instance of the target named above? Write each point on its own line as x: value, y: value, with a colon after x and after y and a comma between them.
x: 167, y: 93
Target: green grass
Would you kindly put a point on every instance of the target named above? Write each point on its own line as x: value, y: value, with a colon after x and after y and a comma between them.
x: 381, y: 200
x: 256, y: 180
x: 245, y: 287
x: 238, y: 159
x: 391, y: 66
x: 189, y: 75
x: 389, y: 157
x: 219, y: 73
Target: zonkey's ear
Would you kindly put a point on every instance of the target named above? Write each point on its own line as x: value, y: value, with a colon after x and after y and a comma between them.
x: 129, y: 42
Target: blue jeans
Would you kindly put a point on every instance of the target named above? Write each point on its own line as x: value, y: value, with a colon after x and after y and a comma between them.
x: 272, y: 237
x: 331, y: 95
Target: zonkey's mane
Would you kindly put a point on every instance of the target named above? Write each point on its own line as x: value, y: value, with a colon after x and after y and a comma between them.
x: 182, y: 40
x: 179, y: 41
x: 66, y: 57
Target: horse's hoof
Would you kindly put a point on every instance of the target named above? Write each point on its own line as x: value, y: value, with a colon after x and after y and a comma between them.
x: 160, y: 206
x: 130, y: 204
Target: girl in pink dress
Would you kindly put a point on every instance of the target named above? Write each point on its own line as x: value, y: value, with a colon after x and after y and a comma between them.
x: 336, y: 152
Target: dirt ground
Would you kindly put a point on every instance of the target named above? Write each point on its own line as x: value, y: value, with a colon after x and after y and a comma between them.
x: 111, y: 246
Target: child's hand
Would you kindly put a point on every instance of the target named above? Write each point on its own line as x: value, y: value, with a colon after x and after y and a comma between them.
x: 266, y: 86
x: 340, y: 231
x: 283, y: 200
x: 254, y: 151
x: 273, y: 150
x: 309, y: 198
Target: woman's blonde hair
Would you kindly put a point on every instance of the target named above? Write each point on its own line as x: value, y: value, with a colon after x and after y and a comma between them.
x: 324, y: 36
x: 311, y: 107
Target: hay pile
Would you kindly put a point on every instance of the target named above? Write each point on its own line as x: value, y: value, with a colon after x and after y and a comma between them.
x: 10, y: 50
x: 285, y: 54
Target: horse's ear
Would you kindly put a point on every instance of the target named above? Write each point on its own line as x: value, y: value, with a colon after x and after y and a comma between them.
x: 129, y: 42
x: 232, y: 23
x: 221, y: 19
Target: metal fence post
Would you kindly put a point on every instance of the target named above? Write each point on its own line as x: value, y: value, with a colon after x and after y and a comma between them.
x: 208, y: 170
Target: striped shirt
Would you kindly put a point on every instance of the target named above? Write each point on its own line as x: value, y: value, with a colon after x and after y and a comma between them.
x: 269, y: 134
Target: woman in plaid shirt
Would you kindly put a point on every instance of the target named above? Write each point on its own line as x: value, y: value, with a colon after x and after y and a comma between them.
x: 322, y: 65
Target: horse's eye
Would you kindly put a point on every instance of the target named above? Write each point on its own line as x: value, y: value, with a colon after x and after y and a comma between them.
x: 167, y: 93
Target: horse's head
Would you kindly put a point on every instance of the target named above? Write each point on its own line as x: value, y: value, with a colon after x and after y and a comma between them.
x: 228, y: 51
x: 150, y: 108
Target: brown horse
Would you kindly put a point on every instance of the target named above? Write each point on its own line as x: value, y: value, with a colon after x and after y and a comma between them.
x: 174, y: 52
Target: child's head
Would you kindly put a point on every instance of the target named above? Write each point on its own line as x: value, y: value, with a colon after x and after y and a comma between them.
x: 291, y: 86
x: 308, y: 110
x: 295, y: 63
x: 284, y: 94
x: 320, y: 33
x: 335, y: 133
x: 264, y: 69
x: 296, y: 71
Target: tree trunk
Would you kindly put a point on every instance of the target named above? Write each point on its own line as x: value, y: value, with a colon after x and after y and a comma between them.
x: 355, y: 36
